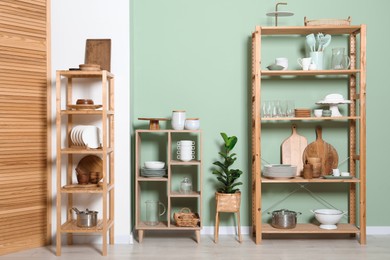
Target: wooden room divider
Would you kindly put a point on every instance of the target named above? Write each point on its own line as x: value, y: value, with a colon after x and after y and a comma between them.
x: 25, y: 125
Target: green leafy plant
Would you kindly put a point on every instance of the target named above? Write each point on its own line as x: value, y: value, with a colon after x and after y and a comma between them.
x: 225, y: 175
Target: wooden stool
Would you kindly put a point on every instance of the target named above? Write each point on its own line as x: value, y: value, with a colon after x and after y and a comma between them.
x: 227, y: 203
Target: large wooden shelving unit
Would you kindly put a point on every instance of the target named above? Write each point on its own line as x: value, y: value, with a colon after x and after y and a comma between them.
x: 65, y: 149
x: 166, y: 182
x: 356, y: 126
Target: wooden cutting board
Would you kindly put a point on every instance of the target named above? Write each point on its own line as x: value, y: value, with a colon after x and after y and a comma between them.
x: 292, y: 150
x: 98, y: 51
x: 327, y: 153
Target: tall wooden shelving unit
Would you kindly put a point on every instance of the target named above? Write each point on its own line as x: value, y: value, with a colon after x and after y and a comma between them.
x: 65, y: 120
x: 357, y: 130
x: 166, y: 182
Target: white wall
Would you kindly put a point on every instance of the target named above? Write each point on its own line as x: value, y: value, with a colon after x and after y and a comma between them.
x: 74, y: 21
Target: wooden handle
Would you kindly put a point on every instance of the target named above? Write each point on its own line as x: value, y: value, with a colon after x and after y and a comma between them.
x: 294, y: 129
x: 319, y: 132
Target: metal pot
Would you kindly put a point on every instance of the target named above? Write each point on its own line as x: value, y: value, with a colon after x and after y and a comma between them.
x: 86, y: 218
x: 284, y: 219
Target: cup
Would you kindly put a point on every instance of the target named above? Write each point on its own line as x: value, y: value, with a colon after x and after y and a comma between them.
x: 185, y: 142
x: 308, y: 171
x: 304, y: 63
x: 317, y: 58
x: 339, y: 60
x: 266, y: 109
x: 282, y: 62
x: 290, y: 110
x: 318, y: 112
x: 336, y: 172
x: 178, y: 119
x: 185, y: 157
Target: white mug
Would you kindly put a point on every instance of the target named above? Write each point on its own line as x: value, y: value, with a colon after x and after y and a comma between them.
x: 336, y: 172
x: 185, y: 158
x: 304, y: 63
x: 185, y: 142
x: 185, y: 152
x: 282, y: 62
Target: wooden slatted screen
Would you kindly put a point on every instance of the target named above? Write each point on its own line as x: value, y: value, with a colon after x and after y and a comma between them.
x: 25, y: 181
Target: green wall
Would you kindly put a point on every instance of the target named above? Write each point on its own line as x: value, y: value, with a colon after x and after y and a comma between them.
x: 195, y: 55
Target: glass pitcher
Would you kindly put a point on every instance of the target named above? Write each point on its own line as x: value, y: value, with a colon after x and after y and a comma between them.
x: 339, y: 61
x: 153, y: 212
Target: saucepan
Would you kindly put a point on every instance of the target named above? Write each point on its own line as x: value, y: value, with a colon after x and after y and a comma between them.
x: 87, y: 218
x: 284, y: 219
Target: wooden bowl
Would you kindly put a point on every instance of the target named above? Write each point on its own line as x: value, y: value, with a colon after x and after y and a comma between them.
x: 84, y: 102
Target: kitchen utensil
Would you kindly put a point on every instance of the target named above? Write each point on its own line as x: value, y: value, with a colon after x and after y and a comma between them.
x: 318, y: 40
x: 279, y: 171
x: 86, y: 219
x: 284, y: 219
x: 311, y: 42
x: 325, y: 41
x: 292, y: 150
x: 323, y: 150
x: 98, y: 51
x: 178, y: 119
x: 328, y: 218
x: 154, y: 212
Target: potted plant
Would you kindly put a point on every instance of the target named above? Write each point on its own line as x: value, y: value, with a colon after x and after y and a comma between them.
x: 228, y: 195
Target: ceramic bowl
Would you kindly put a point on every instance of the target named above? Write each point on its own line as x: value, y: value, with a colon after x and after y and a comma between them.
x: 317, y: 112
x: 154, y: 165
x: 275, y: 67
x: 192, y: 124
x: 326, y: 113
x: 328, y: 218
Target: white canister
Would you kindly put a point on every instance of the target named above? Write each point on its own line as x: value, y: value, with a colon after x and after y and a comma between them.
x: 178, y: 119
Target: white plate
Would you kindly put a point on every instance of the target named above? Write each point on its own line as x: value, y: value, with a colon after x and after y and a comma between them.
x: 90, y: 137
x: 74, y: 134
x: 79, y: 132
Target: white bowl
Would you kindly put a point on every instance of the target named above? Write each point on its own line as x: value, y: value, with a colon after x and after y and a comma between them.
x: 154, y: 165
x: 328, y: 218
x: 318, y: 112
x: 192, y: 124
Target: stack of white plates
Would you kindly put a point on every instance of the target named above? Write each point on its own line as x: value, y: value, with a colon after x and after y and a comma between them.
x: 279, y: 171
x: 86, y: 135
x: 145, y: 172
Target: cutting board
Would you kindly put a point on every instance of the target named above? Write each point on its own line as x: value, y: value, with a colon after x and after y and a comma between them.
x: 292, y: 150
x: 327, y: 153
x: 98, y: 51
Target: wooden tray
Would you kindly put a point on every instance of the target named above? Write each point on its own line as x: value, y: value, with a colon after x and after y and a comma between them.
x: 84, y: 107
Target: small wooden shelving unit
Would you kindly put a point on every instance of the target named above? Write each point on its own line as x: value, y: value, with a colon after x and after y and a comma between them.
x: 66, y: 152
x: 166, y: 183
x: 356, y: 121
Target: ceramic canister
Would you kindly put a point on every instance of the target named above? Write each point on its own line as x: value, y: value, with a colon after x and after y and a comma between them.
x: 178, y: 119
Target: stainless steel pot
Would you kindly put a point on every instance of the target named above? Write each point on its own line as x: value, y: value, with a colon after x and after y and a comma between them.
x: 86, y: 218
x: 284, y: 219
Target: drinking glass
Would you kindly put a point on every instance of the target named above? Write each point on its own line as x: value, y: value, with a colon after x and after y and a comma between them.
x: 266, y: 109
x: 290, y: 110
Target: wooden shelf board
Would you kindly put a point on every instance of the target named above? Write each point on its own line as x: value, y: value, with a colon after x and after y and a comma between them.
x: 85, y: 112
x: 83, y: 150
x: 305, y: 30
x: 340, y: 118
x: 80, y: 189
x: 84, y: 73
x: 192, y: 162
x: 311, y: 229
x: 167, y: 131
x: 307, y: 72
x: 177, y: 194
x: 71, y: 227
x: 314, y: 180
x: 164, y: 226
x: 140, y: 178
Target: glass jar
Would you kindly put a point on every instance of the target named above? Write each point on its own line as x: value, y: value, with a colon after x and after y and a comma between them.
x: 186, y: 186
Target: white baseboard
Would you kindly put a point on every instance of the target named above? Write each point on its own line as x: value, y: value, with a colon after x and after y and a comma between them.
x: 206, y: 230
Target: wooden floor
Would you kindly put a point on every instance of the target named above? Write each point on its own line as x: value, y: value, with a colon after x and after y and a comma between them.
x: 184, y: 247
